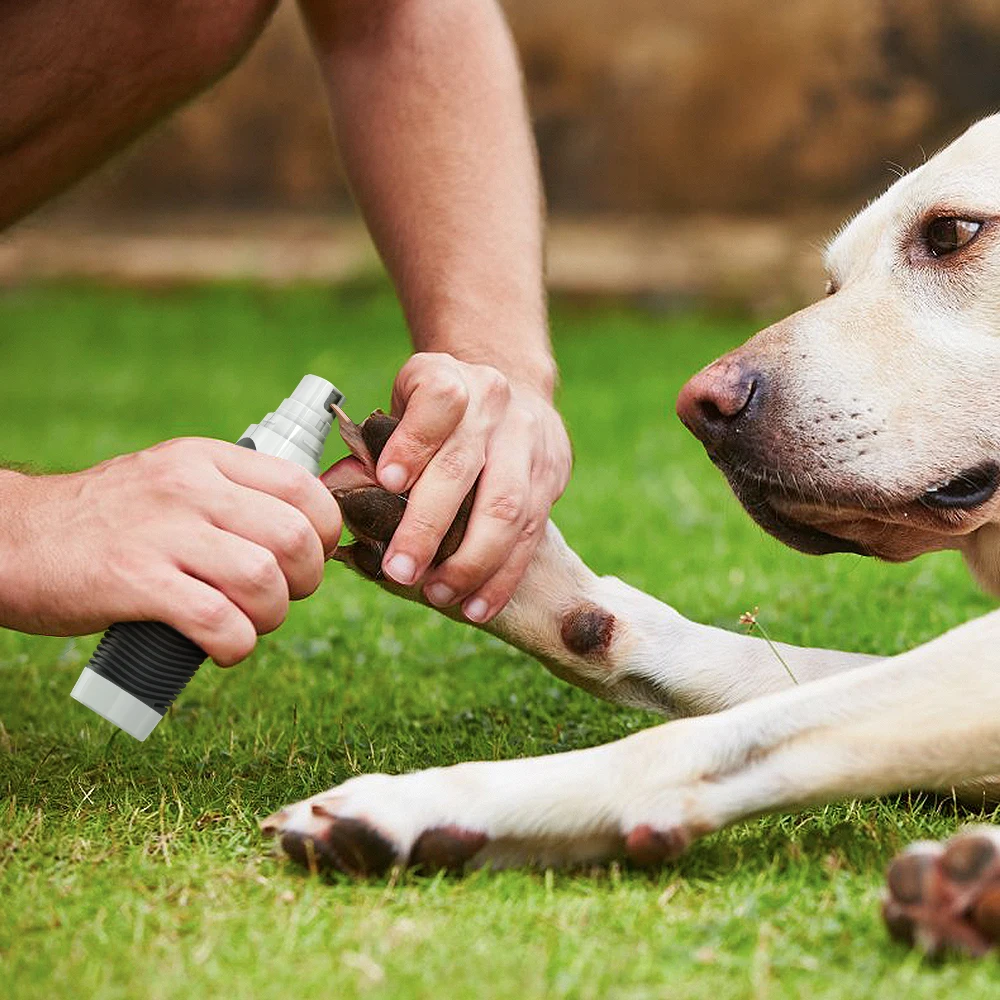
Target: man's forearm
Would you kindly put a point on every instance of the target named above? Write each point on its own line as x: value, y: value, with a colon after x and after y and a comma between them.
x: 429, y: 113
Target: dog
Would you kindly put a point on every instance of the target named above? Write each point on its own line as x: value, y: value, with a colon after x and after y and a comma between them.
x: 868, y: 422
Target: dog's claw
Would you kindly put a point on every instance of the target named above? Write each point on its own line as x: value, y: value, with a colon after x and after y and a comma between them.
x: 946, y: 897
x: 367, y: 439
x: 353, y: 437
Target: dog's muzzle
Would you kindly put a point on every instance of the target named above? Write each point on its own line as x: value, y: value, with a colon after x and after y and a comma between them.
x: 720, y: 406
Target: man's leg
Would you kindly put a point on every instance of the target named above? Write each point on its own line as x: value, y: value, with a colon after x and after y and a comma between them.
x: 79, y: 79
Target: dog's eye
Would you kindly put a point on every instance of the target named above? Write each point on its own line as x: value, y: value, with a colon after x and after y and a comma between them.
x: 946, y: 234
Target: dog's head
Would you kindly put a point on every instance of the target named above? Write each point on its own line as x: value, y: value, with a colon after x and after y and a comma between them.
x: 870, y: 421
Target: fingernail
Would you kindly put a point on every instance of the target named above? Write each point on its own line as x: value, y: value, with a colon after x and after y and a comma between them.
x: 393, y: 478
x: 476, y: 610
x: 439, y: 594
x: 402, y: 568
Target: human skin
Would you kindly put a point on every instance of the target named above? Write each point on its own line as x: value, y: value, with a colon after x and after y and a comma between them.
x: 187, y: 532
x: 429, y: 115
x: 427, y: 107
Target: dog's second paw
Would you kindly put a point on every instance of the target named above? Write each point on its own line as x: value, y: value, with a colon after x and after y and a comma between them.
x: 502, y: 814
x: 945, y: 897
x: 369, y: 825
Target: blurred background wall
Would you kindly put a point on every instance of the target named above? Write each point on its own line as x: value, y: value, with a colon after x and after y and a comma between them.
x: 662, y: 125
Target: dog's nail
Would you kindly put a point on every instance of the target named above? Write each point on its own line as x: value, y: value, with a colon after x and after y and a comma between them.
x: 401, y: 568
x: 273, y: 823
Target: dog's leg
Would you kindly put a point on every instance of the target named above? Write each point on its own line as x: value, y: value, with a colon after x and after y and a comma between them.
x: 628, y: 647
x: 595, y: 632
x: 927, y: 718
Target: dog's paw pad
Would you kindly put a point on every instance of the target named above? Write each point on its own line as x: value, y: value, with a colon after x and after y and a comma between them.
x: 911, y: 875
x: 371, y: 512
x: 363, y: 557
x: 447, y: 848
x: 346, y: 845
x: 909, y: 881
x: 647, y: 847
x: 969, y: 857
x: 986, y: 914
x: 946, y: 897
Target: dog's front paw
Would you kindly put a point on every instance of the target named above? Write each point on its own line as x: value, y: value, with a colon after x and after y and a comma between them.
x: 562, y: 810
x: 373, y: 823
x: 371, y: 513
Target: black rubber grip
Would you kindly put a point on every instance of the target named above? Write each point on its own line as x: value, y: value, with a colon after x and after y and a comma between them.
x: 149, y: 660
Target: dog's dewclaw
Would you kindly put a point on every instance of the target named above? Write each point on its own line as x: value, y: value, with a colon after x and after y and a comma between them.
x: 945, y: 897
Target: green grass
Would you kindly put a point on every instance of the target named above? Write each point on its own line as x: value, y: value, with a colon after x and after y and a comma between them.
x: 136, y: 870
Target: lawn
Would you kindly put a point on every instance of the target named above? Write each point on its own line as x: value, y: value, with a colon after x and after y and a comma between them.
x: 136, y: 870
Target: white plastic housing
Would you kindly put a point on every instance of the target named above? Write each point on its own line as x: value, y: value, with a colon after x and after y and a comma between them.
x: 116, y: 705
x: 297, y: 429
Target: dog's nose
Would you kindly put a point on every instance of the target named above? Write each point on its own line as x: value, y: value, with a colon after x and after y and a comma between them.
x: 716, y: 402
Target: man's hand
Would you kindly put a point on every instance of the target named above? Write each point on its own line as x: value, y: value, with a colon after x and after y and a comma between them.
x: 205, y: 536
x: 460, y: 422
x: 428, y: 109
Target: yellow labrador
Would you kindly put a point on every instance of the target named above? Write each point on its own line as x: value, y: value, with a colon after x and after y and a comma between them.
x: 867, y: 422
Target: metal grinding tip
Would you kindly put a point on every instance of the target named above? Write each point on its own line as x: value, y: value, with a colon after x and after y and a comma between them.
x: 139, y: 668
